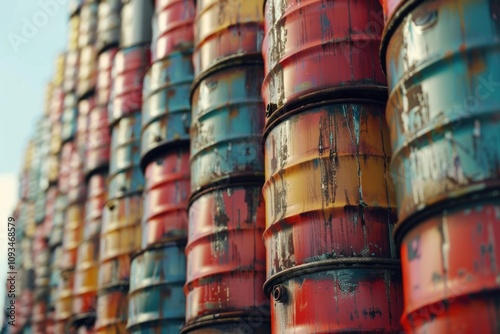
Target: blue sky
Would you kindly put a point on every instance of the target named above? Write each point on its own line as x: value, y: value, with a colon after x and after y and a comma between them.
x: 27, y: 63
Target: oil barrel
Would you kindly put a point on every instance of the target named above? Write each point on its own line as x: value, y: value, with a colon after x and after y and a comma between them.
x: 85, y: 106
x: 227, y: 124
x: 94, y: 205
x: 58, y: 220
x: 125, y: 143
x: 104, y: 82
x: 69, y: 117
x: 112, y: 307
x: 136, y: 28
x: 73, y: 33
x: 98, y: 141
x: 315, y: 50
x: 71, y: 71
x: 64, y: 302
x: 87, y: 72
x: 87, y: 35
x: 73, y: 235
x: 108, y: 24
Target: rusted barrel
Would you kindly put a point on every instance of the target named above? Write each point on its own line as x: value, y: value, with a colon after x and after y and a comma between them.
x: 156, y: 298
x: 136, y: 26
x: 225, y: 30
x: 330, y: 216
x: 166, y: 111
x: 85, y: 287
x: 446, y: 145
x: 172, y: 26
x: 225, y: 257
x: 64, y: 303
x: 88, y: 24
x: 390, y: 7
x: 98, y: 141
x: 166, y: 196
x: 108, y: 24
x: 94, y: 206
x: 71, y: 71
x: 40, y: 319
x: 450, y: 269
x: 112, y: 309
x: 69, y: 117
x: 315, y: 50
x: 85, y: 106
x: 73, y: 234
x: 87, y: 73
x: 228, y: 118
x: 104, y: 77
x: 57, y: 109
x: 77, y: 191
x: 129, y: 69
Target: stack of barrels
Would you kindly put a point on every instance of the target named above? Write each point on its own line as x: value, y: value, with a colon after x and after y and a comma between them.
x: 444, y: 118
x: 225, y: 252
x: 156, y: 297
x: 120, y: 233
x: 332, y: 266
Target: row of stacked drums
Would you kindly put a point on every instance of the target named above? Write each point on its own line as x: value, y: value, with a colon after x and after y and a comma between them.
x: 443, y: 113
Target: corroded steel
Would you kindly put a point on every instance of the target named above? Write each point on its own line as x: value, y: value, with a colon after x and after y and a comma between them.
x: 126, y: 182
x: 125, y: 143
x: 108, y: 24
x: 98, y: 141
x: 87, y: 34
x: 315, y: 47
x: 87, y: 72
x: 85, y: 285
x: 73, y: 234
x: 226, y: 29
x: 105, y: 76
x: 112, y: 310
x: 228, y: 119
x: 94, y: 205
x: 166, y: 196
x: 225, y: 254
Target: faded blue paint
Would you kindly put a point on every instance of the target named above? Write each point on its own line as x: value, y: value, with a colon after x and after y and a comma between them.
x: 125, y: 182
x: 125, y: 143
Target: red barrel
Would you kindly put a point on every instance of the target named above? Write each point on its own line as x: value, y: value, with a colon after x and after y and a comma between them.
x: 225, y: 30
x: 73, y: 234
x: 108, y: 24
x: 104, y: 75
x: 166, y: 197
x: 88, y: 24
x: 87, y: 73
x: 225, y: 255
x: 112, y: 307
x: 450, y: 269
x: 314, y: 47
x: 172, y: 26
x: 85, y: 285
x: 98, y: 141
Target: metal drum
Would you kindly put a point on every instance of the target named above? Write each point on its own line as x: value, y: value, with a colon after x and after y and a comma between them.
x: 129, y: 69
x: 226, y: 29
x: 390, y: 7
x: 73, y: 33
x: 446, y: 144
x: 59, y: 219
x: 172, y: 26
x: 228, y: 119
x: 156, y: 298
x: 39, y: 314
x: 69, y: 117
x: 50, y: 204
x: 40, y: 200
x: 314, y: 48
x: 77, y: 191
x: 41, y: 256
x: 136, y: 23
x: 85, y: 106
x: 64, y: 303
x: 85, y: 288
x: 166, y: 197
x: 55, y: 274
x: 450, y: 269
x: 87, y: 73
x: 71, y: 71
x: 98, y: 141
x: 109, y: 23
x: 73, y: 233
x: 112, y: 307
x: 88, y: 24
x: 65, y: 166
x: 124, y: 183
x: 105, y: 76
x: 225, y: 255
x: 166, y: 111
x: 94, y: 206
x: 125, y: 143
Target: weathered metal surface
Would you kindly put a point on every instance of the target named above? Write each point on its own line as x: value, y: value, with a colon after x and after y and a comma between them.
x: 446, y: 144
x: 73, y: 33
x: 451, y: 270
x: 166, y: 197
x: 105, y: 76
x: 98, y: 141
x: 73, y: 234
x: 108, y: 24
x: 328, y: 190
x: 136, y: 26
x: 316, y: 47
x: 69, y: 117
x: 127, y: 182
x: 225, y: 253
x: 225, y: 30
x: 240, y: 324
x: 85, y: 286
x: 88, y: 24
x: 64, y: 300
x: 390, y: 7
x: 125, y: 143
x: 94, y: 206
x: 156, y: 296
x: 172, y: 26
x: 87, y: 73
x: 71, y: 71
x: 228, y: 119
x: 166, y: 110
x: 112, y: 310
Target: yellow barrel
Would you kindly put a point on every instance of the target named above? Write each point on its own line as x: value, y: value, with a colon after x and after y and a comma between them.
x: 73, y: 33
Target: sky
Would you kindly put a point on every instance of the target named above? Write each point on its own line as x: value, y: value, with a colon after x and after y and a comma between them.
x: 32, y: 34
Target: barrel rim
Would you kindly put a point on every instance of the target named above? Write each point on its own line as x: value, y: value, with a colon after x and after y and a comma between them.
x: 82, y: 319
x: 162, y: 147
x: 117, y: 286
x: 221, y: 318
x: 241, y: 180
x: 164, y: 243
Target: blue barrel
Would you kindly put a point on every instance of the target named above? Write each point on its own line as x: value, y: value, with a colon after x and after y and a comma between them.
x: 166, y: 113
x: 156, y: 297
x: 443, y: 109
x: 126, y: 182
x: 228, y: 120
x: 69, y: 117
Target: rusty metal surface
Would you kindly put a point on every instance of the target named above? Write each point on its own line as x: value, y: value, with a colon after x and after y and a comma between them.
x: 73, y: 234
x: 225, y: 30
x: 87, y: 34
x: 127, y: 182
x: 94, y: 205
x: 318, y: 47
x: 71, y: 71
x: 166, y: 196
x: 172, y: 26
x: 86, y: 272
x: 156, y: 296
x: 136, y: 26
x: 225, y: 253
x: 104, y: 76
x: 109, y: 23
x: 64, y: 300
x: 228, y: 119
x: 87, y: 72
x: 451, y: 270
x: 125, y: 143
x: 328, y: 191
x: 112, y: 310
x: 446, y: 144
x: 98, y: 141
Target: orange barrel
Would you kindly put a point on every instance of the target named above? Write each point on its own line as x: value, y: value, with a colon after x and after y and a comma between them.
x: 108, y: 24
x: 228, y: 118
x: 320, y: 50
x: 85, y: 285
x: 94, y: 206
x: 69, y: 117
x: 450, y: 269
x: 85, y: 106
x: 136, y: 23
x: 98, y: 141
x: 112, y: 308
x: 156, y: 299
x: 166, y: 196
x: 120, y: 237
x: 73, y: 234
x: 88, y: 24
x: 104, y: 75
x: 446, y: 144
x: 129, y: 68
x: 71, y: 71
x: 87, y: 73
x: 58, y: 221
x: 73, y: 33
x: 329, y: 210
x: 226, y: 29
x: 64, y: 301
x: 225, y: 257
x: 172, y: 26
x: 166, y: 108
